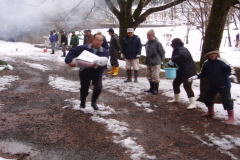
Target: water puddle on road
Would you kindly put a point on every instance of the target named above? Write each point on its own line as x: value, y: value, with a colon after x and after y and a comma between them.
x: 11, y: 150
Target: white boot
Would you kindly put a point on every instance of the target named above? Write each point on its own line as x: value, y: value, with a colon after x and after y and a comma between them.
x: 192, y: 104
x: 175, y: 99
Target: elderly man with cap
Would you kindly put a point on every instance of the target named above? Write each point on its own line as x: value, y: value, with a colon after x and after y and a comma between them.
x: 218, y: 72
x: 186, y: 68
x: 131, y: 49
x: 114, y: 51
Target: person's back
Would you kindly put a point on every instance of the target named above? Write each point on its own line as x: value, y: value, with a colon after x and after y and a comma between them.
x: 74, y: 40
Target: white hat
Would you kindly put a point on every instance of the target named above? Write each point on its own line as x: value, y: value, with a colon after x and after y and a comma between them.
x: 130, y: 30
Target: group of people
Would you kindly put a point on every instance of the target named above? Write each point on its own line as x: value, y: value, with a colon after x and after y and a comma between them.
x: 216, y: 70
x: 61, y: 40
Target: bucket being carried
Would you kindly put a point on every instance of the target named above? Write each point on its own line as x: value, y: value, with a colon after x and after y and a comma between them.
x: 170, y: 73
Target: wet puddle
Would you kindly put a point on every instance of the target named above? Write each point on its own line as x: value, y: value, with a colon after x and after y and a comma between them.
x: 22, y: 88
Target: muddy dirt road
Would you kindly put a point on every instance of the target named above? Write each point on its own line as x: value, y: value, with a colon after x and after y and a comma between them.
x: 39, y: 122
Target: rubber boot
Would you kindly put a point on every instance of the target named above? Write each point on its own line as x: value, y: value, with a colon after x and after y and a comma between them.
x: 210, y: 112
x: 129, y: 76
x: 135, y: 76
x: 192, y: 104
x: 151, y: 87
x: 115, y: 71
x: 112, y: 70
x: 230, y: 117
x: 95, y: 96
x: 175, y: 99
x: 155, y: 88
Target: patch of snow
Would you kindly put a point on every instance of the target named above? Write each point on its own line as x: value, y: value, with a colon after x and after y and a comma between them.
x: 38, y: 66
x: 5, y: 81
x: 61, y: 83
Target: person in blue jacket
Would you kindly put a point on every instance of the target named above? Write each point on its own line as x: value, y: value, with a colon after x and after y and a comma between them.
x: 131, y: 50
x: 218, y: 72
x: 53, y: 41
x: 91, y: 74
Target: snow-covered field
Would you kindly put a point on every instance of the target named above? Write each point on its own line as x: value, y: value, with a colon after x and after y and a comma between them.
x: 10, y: 52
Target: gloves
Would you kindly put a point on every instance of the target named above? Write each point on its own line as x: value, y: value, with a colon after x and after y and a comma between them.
x: 233, y: 78
x: 192, y: 78
x: 171, y: 63
x: 101, y: 61
x: 138, y: 56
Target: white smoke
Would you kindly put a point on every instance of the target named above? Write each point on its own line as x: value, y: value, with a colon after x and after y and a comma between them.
x: 22, y: 17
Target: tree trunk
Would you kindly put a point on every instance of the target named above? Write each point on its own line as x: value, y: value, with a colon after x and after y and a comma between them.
x: 214, y: 33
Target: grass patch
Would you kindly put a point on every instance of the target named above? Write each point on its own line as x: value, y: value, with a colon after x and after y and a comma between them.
x: 3, y: 63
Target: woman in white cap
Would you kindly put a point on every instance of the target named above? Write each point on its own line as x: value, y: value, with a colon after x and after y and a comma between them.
x: 218, y: 72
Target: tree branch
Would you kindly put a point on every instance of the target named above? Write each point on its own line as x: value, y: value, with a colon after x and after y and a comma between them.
x: 143, y: 17
x: 113, y: 9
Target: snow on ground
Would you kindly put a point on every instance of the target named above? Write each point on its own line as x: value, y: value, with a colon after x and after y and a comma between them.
x: 137, y: 152
x: 5, y: 81
x: 5, y: 159
x: 38, y: 66
x: 224, y: 143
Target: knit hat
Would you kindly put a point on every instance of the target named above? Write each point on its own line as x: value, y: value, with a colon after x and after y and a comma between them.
x: 177, y: 42
x: 111, y: 30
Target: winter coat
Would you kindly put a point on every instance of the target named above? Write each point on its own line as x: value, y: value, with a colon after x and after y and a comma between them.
x: 114, y: 45
x: 155, y: 53
x: 53, y: 38
x: 87, y: 39
x: 131, y: 47
x: 74, y: 41
x: 217, y: 72
x: 182, y: 57
x: 75, y: 52
x: 64, y: 40
x: 105, y: 43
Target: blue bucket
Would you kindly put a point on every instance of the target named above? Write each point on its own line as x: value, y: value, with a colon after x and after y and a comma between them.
x: 170, y: 73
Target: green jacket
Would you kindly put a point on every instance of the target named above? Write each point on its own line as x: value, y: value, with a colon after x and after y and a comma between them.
x: 74, y: 41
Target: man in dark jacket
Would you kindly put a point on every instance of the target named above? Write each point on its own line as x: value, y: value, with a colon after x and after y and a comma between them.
x: 155, y: 55
x: 74, y: 40
x: 114, y: 51
x: 186, y: 68
x: 131, y: 50
x: 218, y: 72
x: 64, y: 43
x: 93, y: 73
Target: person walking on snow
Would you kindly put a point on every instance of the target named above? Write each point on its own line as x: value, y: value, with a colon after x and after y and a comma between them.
x: 114, y: 51
x: 74, y: 40
x: 63, y: 42
x: 186, y: 69
x: 155, y: 55
x: 91, y: 74
x: 218, y: 72
x: 131, y: 50
x: 53, y: 41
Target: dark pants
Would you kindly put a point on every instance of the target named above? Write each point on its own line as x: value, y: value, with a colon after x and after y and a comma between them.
x: 186, y: 85
x: 224, y: 93
x: 86, y: 77
x: 114, y: 59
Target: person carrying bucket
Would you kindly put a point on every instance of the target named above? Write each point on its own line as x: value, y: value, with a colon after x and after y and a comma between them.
x: 186, y: 69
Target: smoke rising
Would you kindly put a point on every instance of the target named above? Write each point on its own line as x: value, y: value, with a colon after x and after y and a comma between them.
x: 24, y: 18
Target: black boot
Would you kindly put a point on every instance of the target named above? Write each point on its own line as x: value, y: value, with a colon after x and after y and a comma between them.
x: 155, y: 88
x: 135, y: 75
x: 52, y: 52
x: 83, y: 103
x: 94, y: 105
x: 151, y: 87
x: 129, y: 76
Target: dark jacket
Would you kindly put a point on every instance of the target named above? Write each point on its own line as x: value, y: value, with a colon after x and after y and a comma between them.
x: 114, y: 45
x: 64, y: 40
x: 74, y: 41
x: 182, y: 57
x: 131, y: 47
x: 105, y: 43
x: 217, y: 72
x: 155, y: 53
x: 75, y: 52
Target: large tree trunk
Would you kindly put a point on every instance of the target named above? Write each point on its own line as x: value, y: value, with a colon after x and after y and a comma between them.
x: 214, y: 32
